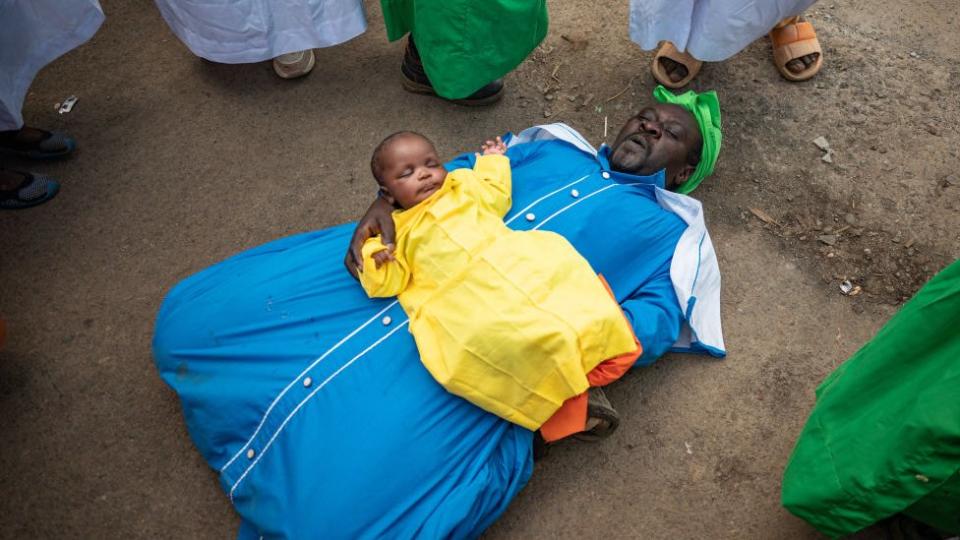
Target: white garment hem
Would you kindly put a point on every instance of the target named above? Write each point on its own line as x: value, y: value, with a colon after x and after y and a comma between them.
x: 50, y: 40
x: 323, y: 33
x: 709, y: 30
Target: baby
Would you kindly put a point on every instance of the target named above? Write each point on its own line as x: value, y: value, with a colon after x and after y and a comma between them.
x: 514, y: 321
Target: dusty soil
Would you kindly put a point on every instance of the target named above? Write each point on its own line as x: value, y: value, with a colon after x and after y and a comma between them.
x: 185, y: 162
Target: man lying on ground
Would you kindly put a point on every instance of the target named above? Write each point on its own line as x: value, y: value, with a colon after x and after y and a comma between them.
x: 309, y: 398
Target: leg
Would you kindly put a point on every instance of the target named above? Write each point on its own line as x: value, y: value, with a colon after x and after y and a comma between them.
x: 415, y: 80
x: 295, y: 64
x: 590, y: 416
x: 34, y: 143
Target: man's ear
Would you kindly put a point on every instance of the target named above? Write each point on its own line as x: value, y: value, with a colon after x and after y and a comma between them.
x: 682, y: 175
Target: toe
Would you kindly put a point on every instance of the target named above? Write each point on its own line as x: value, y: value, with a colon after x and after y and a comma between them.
x: 796, y: 65
x: 679, y: 74
x: 675, y: 70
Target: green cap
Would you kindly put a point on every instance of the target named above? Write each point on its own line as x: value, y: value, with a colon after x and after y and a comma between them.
x: 705, y: 107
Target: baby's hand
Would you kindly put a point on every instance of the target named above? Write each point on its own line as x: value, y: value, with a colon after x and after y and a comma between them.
x: 494, y: 147
x: 383, y: 256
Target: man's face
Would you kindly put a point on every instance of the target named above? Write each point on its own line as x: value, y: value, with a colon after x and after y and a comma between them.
x: 410, y: 171
x: 657, y: 137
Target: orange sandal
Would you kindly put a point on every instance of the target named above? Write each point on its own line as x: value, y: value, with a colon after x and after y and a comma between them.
x: 667, y: 50
x: 793, y: 39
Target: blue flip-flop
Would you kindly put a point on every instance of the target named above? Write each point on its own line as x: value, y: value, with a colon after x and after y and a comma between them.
x: 55, y: 144
x: 35, y: 189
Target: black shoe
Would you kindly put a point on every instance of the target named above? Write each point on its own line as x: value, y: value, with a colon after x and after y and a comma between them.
x: 32, y: 190
x: 415, y: 80
x: 603, y: 417
x: 51, y: 145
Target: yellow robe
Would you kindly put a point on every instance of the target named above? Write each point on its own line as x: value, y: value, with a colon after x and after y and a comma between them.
x: 511, y: 321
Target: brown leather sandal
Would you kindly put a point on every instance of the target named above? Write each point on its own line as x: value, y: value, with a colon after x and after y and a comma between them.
x: 793, y: 39
x: 668, y: 50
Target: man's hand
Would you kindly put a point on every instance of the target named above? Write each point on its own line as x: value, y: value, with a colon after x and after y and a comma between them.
x: 494, y: 147
x: 376, y: 221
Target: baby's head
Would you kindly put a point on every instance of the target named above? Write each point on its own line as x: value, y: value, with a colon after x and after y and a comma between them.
x: 407, y: 168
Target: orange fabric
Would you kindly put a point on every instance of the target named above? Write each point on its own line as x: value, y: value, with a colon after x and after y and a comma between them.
x: 571, y: 417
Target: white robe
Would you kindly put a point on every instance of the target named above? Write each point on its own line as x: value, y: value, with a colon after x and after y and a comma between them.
x: 710, y: 30
x: 34, y: 33
x: 247, y: 31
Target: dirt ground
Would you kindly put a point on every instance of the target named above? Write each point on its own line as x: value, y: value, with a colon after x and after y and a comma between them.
x: 184, y: 162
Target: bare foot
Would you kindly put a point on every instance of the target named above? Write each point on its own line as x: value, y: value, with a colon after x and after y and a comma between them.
x: 675, y: 70
x: 799, y: 65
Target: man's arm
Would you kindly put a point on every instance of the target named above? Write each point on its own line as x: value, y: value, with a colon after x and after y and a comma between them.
x: 377, y: 221
x: 655, y: 315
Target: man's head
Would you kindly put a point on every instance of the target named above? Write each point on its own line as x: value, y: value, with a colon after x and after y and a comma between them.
x: 407, y: 168
x: 679, y: 135
x: 662, y: 136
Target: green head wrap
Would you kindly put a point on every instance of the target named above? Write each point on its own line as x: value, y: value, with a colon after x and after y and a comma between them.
x: 705, y: 108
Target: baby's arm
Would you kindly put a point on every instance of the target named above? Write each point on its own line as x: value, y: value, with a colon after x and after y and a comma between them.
x: 383, y: 274
x: 493, y: 170
x: 496, y: 147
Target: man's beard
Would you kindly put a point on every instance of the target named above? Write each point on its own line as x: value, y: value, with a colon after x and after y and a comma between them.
x: 629, y: 156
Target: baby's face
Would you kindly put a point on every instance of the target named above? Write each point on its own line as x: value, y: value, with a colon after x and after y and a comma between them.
x: 410, y: 170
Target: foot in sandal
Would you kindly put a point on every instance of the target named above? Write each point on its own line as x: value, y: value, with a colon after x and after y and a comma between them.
x: 295, y: 64
x: 796, y: 50
x: 602, y: 418
x: 672, y: 68
x: 675, y: 70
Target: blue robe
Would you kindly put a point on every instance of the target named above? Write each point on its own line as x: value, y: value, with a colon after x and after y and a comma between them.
x: 310, y: 400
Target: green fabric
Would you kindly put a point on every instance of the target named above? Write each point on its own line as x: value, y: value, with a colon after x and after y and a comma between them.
x: 941, y: 507
x: 885, y: 431
x: 705, y: 107
x: 465, y: 44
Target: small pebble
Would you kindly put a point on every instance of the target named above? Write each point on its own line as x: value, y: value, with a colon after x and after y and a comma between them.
x: 828, y: 239
x: 858, y: 119
x: 821, y: 143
